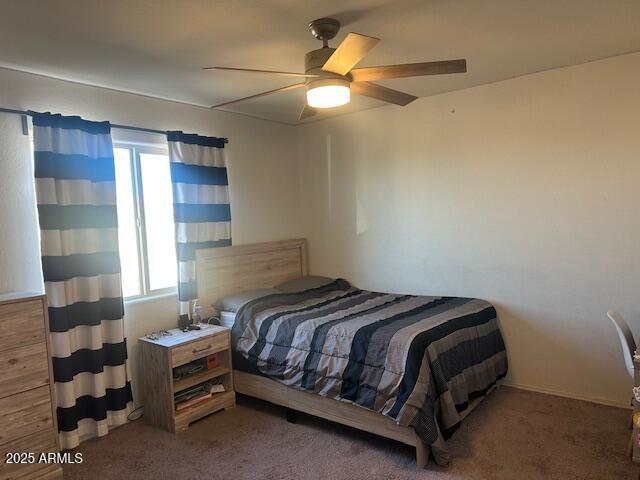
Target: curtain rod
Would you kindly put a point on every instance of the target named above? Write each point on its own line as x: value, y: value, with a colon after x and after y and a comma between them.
x: 114, y: 125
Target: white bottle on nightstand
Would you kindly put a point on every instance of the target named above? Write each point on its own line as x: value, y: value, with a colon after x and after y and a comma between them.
x: 195, y: 316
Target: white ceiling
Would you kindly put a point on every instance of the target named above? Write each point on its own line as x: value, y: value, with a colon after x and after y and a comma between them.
x: 156, y: 47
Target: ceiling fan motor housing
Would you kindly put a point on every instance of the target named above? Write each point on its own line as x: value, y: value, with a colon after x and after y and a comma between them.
x: 313, y: 61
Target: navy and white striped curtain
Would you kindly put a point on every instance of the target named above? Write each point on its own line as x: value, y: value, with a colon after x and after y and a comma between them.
x: 76, y: 195
x: 201, y: 209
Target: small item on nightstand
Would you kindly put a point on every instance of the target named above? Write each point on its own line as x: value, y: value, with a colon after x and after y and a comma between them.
x: 158, y: 335
x: 195, y: 312
x: 183, y: 322
x: 212, y: 361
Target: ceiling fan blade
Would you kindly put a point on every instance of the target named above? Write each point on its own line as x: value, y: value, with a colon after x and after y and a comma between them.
x: 307, y: 112
x: 408, y: 70
x: 381, y: 93
x: 352, y: 49
x: 257, y: 95
x: 251, y: 70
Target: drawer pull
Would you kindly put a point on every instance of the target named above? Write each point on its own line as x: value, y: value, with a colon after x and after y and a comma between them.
x: 200, y: 350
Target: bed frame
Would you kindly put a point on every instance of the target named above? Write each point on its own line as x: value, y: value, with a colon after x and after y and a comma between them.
x: 226, y: 270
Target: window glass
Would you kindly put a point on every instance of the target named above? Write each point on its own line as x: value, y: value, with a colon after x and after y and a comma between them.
x: 145, y: 220
x: 159, y: 229
x: 127, y: 230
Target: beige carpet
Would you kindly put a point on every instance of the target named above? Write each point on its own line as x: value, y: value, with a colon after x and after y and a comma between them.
x: 513, y: 435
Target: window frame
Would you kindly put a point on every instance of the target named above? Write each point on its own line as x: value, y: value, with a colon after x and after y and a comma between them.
x: 135, y: 150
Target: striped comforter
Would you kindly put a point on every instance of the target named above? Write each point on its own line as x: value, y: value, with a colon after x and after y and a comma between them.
x: 419, y: 360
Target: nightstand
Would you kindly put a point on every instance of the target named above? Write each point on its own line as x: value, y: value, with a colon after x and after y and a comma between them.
x: 208, y: 350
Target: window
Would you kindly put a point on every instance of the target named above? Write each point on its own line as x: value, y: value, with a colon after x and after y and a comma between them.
x: 145, y: 220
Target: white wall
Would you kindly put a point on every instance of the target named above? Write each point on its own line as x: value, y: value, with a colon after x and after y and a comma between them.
x: 263, y: 173
x: 524, y: 192
x: 20, y: 267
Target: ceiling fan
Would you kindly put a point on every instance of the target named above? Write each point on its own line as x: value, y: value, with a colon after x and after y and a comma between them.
x: 330, y: 77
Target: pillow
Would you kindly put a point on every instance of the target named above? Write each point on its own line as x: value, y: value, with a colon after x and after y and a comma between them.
x: 303, y: 283
x: 227, y: 319
x: 233, y: 302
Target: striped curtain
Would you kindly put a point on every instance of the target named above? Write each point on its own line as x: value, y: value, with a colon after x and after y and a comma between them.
x: 201, y: 209
x: 76, y: 195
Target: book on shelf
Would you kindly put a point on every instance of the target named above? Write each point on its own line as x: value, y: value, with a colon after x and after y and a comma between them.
x: 193, y: 401
x: 197, y: 394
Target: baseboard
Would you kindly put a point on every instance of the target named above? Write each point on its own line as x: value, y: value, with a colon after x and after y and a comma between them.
x: 562, y: 393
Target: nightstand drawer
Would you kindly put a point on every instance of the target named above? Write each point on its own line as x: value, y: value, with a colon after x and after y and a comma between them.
x: 200, y: 348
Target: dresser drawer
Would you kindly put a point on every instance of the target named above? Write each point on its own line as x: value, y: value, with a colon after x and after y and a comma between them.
x: 35, y: 443
x: 199, y: 348
x: 23, y: 368
x: 25, y: 413
x: 22, y: 324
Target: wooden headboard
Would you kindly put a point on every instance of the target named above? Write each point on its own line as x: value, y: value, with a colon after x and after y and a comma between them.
x: 226, y: 270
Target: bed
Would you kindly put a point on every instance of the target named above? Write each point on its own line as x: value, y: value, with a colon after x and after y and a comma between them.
x: 405, y: 367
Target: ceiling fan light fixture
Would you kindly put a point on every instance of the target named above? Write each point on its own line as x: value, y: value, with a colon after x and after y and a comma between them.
x: 328, y: 93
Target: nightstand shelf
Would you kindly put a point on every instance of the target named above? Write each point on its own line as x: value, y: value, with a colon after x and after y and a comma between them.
x: 160, y: 357
x: 190, y: 414
x: 199, y: 377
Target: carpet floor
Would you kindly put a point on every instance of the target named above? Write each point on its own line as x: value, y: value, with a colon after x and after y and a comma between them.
x: 513, y: 434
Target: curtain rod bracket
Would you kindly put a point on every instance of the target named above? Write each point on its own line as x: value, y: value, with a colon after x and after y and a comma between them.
x: 25, y: 125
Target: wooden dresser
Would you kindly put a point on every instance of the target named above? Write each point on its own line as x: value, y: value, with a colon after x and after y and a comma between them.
x: 27, y: 412
x: 159, y: 358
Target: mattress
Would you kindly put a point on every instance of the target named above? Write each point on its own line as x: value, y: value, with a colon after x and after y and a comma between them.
x: 420, y: 360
